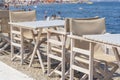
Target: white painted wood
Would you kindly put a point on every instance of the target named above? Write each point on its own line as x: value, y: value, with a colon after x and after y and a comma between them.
x: 81, y: 60
x: 55, y: 57
x: 15, y: 44
x: 63, y: 58
x: 56, y: 49
x: 40, y: 60
x: 91, y: 59
x: 113, y: 39
x: 39, y: 24
x: 61, y: 43
x: 117, y: 55
x: 4, y: 47
x: 16, y: 38
x: 12, y: 47
x: 72, y: 55
x: 35, y: 48
x: 81, y: 51
x: 57, y: 32
x: 109, y: 39
x: 48, y: 52
x: 58, y: 72
x: 55, y: 42
x: 22, y: 46
x: 58, y: 67
x: 15, y: 32
x: 80, y: 69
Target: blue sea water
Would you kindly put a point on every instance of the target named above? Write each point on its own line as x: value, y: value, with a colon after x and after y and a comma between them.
x: 109, y: 10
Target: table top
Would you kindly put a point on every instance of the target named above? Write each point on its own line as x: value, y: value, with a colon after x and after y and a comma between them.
x: 112, y: 39
x: 39, y: 24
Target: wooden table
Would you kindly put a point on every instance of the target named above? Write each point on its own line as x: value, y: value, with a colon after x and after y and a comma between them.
x: 109, y: 39
x: 38, y: 25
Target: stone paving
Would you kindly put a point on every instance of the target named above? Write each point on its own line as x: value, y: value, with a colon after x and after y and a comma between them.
x: 9, y: 73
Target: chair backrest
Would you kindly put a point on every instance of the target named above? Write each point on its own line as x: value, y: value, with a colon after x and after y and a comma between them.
x: 81, y: 27
x: 4, y: 13
x: 68, y: 23
x: 67, y: 27
x: 4, y: 17
x: 22, y: 16
x: 87, y: 26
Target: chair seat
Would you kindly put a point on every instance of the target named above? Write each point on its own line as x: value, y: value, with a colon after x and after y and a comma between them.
x: 29, y: 35
x: 105, y: 57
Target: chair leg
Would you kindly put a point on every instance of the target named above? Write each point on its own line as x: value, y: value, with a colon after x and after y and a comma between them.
x: 4, y: 47
x: 91, y: 47
x: 22, y: 46
x: 40, y: 60
x: 105, y: 72
x: 2, y: 44
x: 84, y: 77
x: 57, y: 68
x: 12, y: 51
x: 110, y: 72
x: 71, y: 70
x: 72, y: 60
x: 63, y: 58
x: 48, y: 52
x: 48, y: 66
x: 114, y: 68
x: 63, y: 68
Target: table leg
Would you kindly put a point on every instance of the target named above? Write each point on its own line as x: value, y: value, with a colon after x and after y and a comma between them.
x: 35, y: 48
x: 12, y: 47
x: 22, y: 46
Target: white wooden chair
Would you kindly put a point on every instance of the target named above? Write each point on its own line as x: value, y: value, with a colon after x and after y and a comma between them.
x: 57, y: 50
x: 17, y: 40
x: 82, y: 56
x: 62, y: 51
x: 5, y: 30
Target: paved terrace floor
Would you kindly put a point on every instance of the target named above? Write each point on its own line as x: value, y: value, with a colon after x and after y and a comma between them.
x: 8, y: 73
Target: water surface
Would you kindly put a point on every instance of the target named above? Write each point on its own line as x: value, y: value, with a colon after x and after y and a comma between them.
x: 109, y: 10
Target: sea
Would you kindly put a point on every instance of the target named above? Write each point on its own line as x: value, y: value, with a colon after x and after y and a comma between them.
x: 109, y: 10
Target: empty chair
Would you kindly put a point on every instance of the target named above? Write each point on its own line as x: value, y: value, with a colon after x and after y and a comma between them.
x: 17, y: 39
x: 5, y: 30
x: 60, y: 52
x: 82, y: 54
x: 57, y: 49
